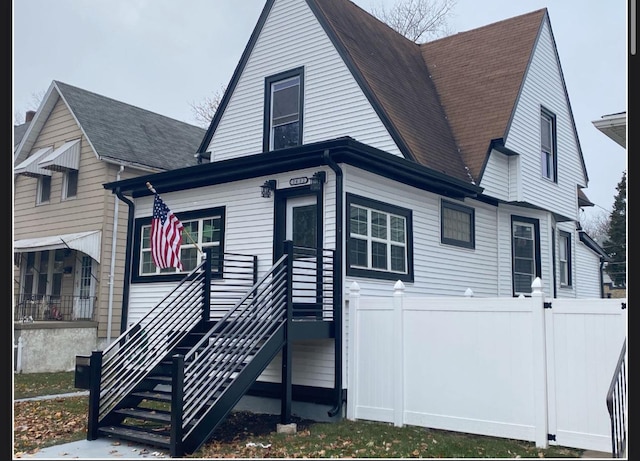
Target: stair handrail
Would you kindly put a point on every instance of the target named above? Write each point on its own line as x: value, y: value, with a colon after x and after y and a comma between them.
x: 265, y: 305
x: 144, y: 344
x: 616, y: 404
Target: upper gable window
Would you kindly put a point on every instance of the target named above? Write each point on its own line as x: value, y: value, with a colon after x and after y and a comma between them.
x: 70, y: 186
x: 548, y: 145
x: 283, y: 110
x: 44, y: 189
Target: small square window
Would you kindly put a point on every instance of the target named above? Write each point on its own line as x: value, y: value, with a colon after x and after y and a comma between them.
x: 457, y: 225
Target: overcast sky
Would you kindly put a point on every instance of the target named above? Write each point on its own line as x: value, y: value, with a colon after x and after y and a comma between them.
x: 166, y: 55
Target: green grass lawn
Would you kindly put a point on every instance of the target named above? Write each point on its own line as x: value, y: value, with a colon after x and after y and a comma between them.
x: 248, y: 435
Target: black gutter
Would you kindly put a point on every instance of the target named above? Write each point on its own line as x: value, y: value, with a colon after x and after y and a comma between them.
x: 337, y: 318
x: 128, y: 260
x: 344, y: 150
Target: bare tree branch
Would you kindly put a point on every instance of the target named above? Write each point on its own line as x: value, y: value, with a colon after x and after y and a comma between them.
x: 204, y: 111
x: 418, y: 20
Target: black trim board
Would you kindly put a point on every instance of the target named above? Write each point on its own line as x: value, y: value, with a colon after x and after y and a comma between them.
x: 341, y: 150
x: 310, y: 394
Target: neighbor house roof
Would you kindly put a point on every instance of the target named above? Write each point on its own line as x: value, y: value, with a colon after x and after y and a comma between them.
x: 119, y: 133
x: 614, y: 126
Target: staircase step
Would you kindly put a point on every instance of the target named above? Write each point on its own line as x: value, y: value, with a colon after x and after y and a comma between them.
x: 137, y: 435
x: 146, y: 414
x: 159, y: 396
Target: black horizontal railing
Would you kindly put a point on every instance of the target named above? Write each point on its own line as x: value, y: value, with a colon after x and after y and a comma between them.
x: 313, y: 283
x: 37, y: 308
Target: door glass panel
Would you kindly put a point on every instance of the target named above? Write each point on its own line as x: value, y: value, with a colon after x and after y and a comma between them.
x: 304, y: 226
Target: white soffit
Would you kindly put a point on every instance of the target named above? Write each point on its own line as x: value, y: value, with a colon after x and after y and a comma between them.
x: 86, y: 242
x: 614, y: 126
x: 64, y: 158
x: 30, y: 167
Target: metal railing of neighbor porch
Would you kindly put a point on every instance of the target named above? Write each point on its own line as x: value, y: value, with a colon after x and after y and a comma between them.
x: 529, y: 368
x: 34, y: 308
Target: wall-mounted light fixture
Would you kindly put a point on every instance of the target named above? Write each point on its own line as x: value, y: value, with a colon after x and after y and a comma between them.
x: 268, y: 186
x: 317, y: 180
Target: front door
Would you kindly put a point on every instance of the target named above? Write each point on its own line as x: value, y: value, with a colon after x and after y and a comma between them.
x: 298, y: 219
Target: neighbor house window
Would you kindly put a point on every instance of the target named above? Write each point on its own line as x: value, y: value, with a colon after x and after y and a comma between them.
x: 564, y: 253
x: 548, y: 145
x: 526, y: 254
x: 202, y: 229
x: 283, y: 110
x: 457, y: 224
x: 379, y: 244
x: 70, y: 184
x: 44, y: 189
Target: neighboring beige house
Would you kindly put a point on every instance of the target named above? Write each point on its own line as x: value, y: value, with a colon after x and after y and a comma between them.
x: 69, y: 251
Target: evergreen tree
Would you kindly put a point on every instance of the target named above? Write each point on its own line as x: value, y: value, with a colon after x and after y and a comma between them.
x: 616, y: 243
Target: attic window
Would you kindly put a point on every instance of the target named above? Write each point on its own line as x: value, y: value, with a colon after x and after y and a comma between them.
x: 283, y: 110
x: 548, y: 145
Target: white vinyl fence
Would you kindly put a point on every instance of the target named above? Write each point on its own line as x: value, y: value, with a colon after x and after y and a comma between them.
x: 518, y: 368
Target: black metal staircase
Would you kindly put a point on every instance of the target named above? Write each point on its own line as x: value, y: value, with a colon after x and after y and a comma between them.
x: 174, y: 375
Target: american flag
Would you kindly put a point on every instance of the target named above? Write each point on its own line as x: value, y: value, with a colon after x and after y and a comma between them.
x: 166, y: 236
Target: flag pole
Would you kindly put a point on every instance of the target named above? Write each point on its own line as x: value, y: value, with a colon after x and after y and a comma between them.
x: 152, y: 189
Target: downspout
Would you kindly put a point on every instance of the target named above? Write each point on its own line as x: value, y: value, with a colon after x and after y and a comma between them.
x: 128, y: 258
x: 113, y: 259
x: 601, y: 277
x: 339, y: 290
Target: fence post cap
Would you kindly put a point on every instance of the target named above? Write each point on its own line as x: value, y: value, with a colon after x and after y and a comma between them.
x: 399, y: 286
x: 354, y: 286
x: 468, y: 293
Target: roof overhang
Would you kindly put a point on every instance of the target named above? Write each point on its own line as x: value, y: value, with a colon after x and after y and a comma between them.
x: 614, y: 126
x: 342, y: 150
x: 64, y: 158
x: 31, y: 165
x: 86, y: 242
x: 593, y: 246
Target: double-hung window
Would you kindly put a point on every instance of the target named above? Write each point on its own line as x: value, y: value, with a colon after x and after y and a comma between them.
x: 564, y: 256
x: 70, y: 184
x: 457, y: 224
x: 380, y: 244
x: 202, y: 229
x: 526, y: 254
x: 548, y: 145
x: 44, y: 189
x: 283, y: 110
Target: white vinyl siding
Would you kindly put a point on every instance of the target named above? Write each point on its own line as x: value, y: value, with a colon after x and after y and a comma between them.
x: 588, y: 281
x: 432, y: 277
x: 496, y: 179
x: 543, y: 87
x: 334, y: 105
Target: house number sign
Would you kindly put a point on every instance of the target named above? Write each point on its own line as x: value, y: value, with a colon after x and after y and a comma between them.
x: 298, y: 181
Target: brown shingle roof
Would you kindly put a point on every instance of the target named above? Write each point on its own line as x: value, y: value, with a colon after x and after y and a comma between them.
x: 392, y: 73
x: 478, y: 75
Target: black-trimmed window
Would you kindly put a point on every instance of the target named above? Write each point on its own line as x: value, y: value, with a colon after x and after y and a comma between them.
x: 380, y: 240
x: 457, y: 224
x: 564, y: 257
x: 204, y: 227
x: 548, y: 145
x: 283, y: 110
x: 525, y: 241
